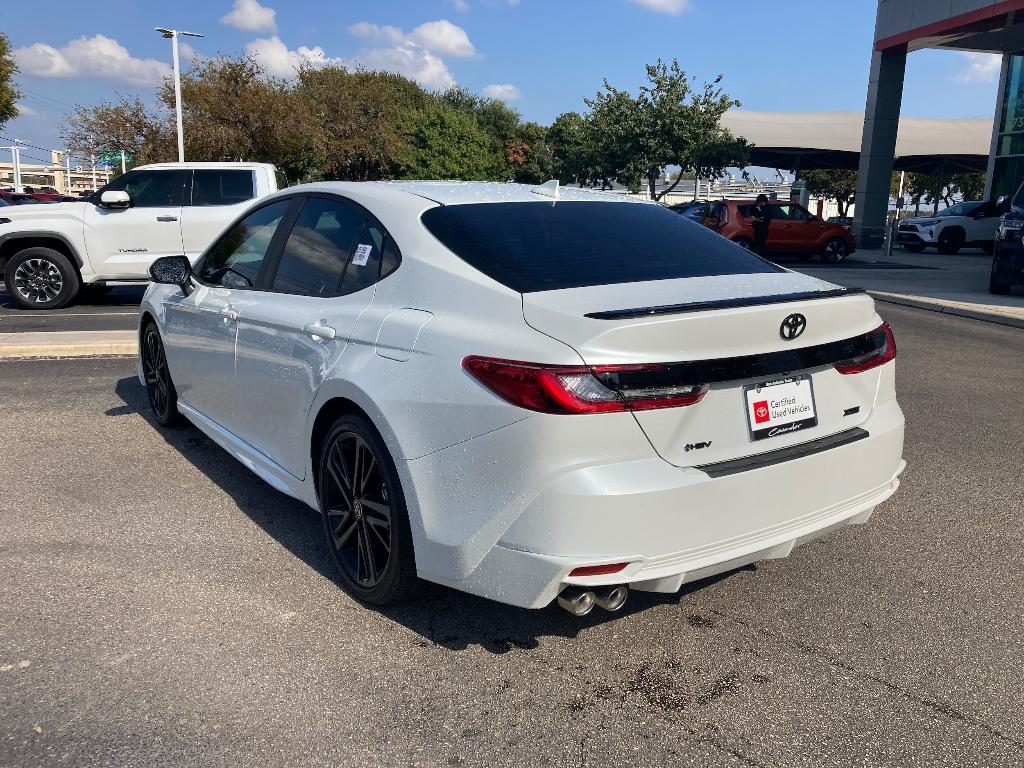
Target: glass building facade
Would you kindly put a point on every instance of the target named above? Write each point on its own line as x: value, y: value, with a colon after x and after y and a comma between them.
x: 1008, y: 173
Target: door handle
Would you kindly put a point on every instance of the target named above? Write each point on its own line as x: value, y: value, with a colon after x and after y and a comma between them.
x: 319, y: 331
x: 228, y: 313
x: 166, y: 218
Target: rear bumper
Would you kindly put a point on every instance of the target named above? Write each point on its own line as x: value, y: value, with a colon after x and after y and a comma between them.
x: 674, y: 525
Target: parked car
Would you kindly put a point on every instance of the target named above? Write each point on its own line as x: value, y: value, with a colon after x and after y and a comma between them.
x: 525, y: 393
x: 1008, y: 250
x: 961, y: 225
x: 694, y: 210
x: 19, y: 198
x: 793, y: 229
x: 47, y: 253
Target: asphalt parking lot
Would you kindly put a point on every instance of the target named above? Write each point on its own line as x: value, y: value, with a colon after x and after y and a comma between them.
x: 161, y: 606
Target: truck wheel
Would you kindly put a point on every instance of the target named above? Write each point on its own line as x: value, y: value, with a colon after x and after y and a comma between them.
x: 41, y: 278
x: 997, y: 286
x: 950, y: 242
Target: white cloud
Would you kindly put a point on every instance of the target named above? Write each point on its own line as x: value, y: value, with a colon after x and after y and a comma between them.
x: 98, y: 56
x: 502, y: 91
x: 981, y: 67
x: 443, y: 38
x: 280, y: 61
x: 250, y: 16
x: 671, y: 7
x: 410, y: 60
x: 461, y: 6
x: 377, y: 33
x: 417, y: 53
x: 24, y: 110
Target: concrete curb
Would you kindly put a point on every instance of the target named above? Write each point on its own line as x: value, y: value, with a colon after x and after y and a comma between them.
x: 949, y: 308
x: 68, y: 344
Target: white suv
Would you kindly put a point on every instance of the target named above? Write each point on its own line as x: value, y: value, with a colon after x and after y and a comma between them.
x: 48, y: 252
x: 961, y: 225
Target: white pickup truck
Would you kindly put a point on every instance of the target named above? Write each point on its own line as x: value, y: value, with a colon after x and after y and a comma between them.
x: 49, y: 251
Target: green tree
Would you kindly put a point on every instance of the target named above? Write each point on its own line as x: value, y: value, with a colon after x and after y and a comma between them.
x: 529, y: 155
x: 667, y: 123
x: 445, y: 143
x: 355, y: 118
x: 572, y: 153
x: 233, y: 111
x: 497, y: 120
x: 839, y: 185
x: 123, y: 126
x: 9, y: 94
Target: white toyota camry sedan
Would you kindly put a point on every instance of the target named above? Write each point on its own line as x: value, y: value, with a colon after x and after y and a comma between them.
x: 525, y: 393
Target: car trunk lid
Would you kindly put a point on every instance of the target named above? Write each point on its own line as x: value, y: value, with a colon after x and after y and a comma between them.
x: 726, y: 332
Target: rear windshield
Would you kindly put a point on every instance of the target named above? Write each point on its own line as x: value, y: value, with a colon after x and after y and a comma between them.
x: 546, y: 246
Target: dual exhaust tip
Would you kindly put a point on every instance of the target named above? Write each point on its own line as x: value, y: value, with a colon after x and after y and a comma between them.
x: 579, y: 601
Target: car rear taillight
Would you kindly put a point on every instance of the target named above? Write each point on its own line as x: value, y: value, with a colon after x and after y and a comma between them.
x: 573, y: 389
x: 884, y: 351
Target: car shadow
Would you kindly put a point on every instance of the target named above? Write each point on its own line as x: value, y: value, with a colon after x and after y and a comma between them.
x: 439, y: 615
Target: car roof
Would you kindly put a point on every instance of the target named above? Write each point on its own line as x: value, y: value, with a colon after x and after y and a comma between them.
x: 200, y: 166
x: 464, y: 192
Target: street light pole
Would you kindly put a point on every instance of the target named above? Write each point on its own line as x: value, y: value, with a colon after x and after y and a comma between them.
x: 173, y: 34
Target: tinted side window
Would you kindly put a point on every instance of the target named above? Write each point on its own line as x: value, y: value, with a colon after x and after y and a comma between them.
x: 364, y: 269
x: 235, y: 260
x: 221, y: 187
x: 152, y: 189
x: 314, y: 258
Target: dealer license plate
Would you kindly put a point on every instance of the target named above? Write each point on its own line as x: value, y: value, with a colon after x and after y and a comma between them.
x: 780, y: 407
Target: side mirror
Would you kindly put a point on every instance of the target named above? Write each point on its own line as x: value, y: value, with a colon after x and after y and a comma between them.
x: 171, y: 270
x: 118, y: 199
x: 1003, y: 200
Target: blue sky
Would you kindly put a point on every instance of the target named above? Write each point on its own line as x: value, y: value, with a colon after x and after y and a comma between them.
x: 543, y: 56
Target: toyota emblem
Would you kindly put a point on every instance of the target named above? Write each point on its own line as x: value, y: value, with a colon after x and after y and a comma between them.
x: 793, y: 326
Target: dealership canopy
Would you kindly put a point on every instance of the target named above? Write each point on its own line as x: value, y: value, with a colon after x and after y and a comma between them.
x: 810, y: 140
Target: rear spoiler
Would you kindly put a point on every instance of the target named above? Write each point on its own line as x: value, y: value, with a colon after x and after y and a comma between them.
x: 700, y: 306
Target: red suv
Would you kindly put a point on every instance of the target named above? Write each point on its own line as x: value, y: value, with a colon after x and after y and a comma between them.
x: 793, y: 229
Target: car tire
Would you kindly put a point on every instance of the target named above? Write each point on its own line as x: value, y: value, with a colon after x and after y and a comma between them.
x: 364, y: 514
x: 41, y: 278
x: 834, y: 250
x: 914, y: 247
x: 744, y: 242
x: 997, y: 286
x: 163, y: 397
x: 950, y: 243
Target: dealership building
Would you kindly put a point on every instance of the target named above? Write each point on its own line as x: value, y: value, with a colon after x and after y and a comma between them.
x: 905, y: 26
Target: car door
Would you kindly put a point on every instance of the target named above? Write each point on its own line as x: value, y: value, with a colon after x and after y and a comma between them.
x: 200, y: 328
x: 216, y: 198
x: 123, y: 242
x: 300, y: 328
x: 982, y: 223
x: 804, y: 230
x: 780, y: 237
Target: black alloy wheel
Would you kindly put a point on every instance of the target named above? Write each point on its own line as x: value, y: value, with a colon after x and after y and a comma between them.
x: 364, y: 514
x: 163, y: 398
x: 834, y: 251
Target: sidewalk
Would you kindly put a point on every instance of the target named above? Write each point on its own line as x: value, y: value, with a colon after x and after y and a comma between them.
x: 955, y: 285
x: 68, y: 344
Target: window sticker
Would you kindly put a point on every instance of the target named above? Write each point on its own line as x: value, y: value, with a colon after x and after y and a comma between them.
x: 362, y: 255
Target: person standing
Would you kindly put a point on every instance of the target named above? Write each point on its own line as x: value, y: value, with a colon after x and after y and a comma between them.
x: 761, y: 217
